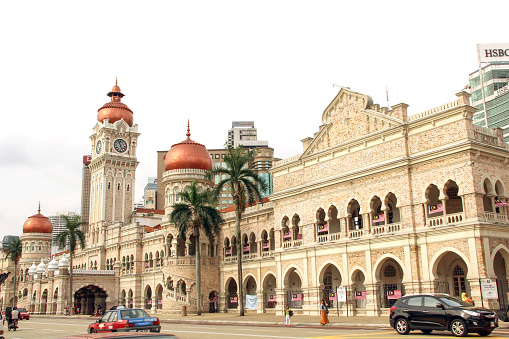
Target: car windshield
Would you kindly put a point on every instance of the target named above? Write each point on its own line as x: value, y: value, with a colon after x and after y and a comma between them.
x: 131, y: 314
x: 22, y: 309
x: 450, y: 301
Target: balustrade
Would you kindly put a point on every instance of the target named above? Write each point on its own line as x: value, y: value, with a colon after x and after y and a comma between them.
x: 385, y: 229
x: 495, y: 217
x: 292, y: 243
x: 447, y: 219
x: 329, y: 237
x: 355, y: 233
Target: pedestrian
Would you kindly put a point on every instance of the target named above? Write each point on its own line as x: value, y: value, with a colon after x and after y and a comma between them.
x: 68, y: 310
x: 77, y: 310
x: 288, y: 313
x: 324, y: 311
x: 99, y: 309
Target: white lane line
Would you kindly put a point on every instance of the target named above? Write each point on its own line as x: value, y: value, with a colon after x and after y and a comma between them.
x: 51, y: 329
x: 237, y: 334
x: 252, y: 329
x: 198, y: 326
x: 59, y: 324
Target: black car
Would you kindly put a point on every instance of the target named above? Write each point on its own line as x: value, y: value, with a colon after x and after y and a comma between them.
x: 428, y: 312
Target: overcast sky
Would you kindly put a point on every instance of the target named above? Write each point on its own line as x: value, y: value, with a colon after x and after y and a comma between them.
x: 213, y: 62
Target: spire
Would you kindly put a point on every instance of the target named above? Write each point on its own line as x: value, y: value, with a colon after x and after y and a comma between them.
x: 188, y: 134
x: 116, y: 81
x: 39, y: 207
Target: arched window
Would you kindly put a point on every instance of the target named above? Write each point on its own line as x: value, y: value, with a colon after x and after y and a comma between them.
x: 458, y: 279
x: 177, y: 194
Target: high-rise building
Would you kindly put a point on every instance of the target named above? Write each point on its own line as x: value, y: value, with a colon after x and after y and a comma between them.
x: 244, y: 133
x: 150, y: 193
x: 85, y: 189
x: 58, y: 222
x: 496, y: 92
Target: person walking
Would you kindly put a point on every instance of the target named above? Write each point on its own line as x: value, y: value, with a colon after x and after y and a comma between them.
x: 288, y: 313
x: 324, y: 311
x: 68, y: 310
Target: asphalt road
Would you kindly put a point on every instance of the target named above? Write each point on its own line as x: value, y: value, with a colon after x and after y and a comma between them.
x: 50, y: 328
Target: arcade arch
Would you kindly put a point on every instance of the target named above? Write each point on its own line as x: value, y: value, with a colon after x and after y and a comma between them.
x: 88, y: 298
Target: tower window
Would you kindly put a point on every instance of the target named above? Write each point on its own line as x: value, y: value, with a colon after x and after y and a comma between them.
x: 127, y: 188
x: 118, y: 187
x: 109, y: 185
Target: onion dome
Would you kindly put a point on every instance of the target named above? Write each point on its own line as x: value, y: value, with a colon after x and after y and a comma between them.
x: 187, y: 154
x: 32, y: 269
x: 38, y: 223
x: 63, y: 262
x: 41, y: 268
x: 115, y: 110
x: 53, y: 265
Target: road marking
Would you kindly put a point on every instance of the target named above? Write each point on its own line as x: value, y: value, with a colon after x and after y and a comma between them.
x: 59, y: 324
x: 198, y: 326
x: 51, y: 329
x: 236, y: 334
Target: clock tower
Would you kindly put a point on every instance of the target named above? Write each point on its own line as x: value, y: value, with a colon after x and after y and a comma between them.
x: 113, y: 166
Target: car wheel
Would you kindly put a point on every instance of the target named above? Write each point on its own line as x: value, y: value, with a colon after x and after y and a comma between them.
x: 401, y: 326
x: 426, y: 331
x: 485, y: 333
x: 92, y: 330
x: 458, y: 328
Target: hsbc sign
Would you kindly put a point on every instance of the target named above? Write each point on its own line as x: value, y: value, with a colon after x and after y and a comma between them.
x: 493, y: 52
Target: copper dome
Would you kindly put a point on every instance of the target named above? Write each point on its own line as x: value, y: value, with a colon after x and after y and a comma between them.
x: 187, y: 154
x: 38, y: 223
x: 115, y: 110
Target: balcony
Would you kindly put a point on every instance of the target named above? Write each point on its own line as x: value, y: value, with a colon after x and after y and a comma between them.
x: 249, y: 256
x: 328, y: 237
x: 355, y: 233
x: 267, y: 254
x: 385, y: 229
x: 496, y: 217
x: 448, y: 219
x: 292, y: 243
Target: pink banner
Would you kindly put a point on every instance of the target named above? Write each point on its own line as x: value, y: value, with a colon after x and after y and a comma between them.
x: 323, y: 228
x: 233, y: 299
x: 266, y: 246
x: 333, y: 296
x: 379, y: 217
x: 228, y: 251
x: 393, y: 294
x: 436, y: 208
x: 499, y: 202
x: 361, y: 295
x: 287, y: 235
x: 296, y: 297
x: 273, y: 298
x: 246, y: 248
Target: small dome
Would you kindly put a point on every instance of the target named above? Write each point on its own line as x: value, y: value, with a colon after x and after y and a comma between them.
x: 41, y: 268
x: 32, y: 269
x: 38, y: 223
x: 53, y: 265
x: 188, y: 154
x: 115, y: 110
x: 63, y: 262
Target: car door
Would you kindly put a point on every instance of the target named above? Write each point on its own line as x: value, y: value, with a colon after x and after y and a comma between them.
x: 414, y: 311
x: 433, y: 316
x: 104, y: 324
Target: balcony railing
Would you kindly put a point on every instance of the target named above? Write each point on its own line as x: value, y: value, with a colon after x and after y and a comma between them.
x: 292, y: 243
x: 355, y: 233
x: 94, y: 272
x: 496, y: 217
x: 385, y: 229
x: 249, y: 256
x: 231, y: 259
x: 446, y: 219
x: 267, y: 254
x: 329, y: 237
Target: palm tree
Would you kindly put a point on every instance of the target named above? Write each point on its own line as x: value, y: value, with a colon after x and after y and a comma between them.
x: 71, y: 236
x: 196, y: 211
x: 245, y: 186
x: 13, y: 252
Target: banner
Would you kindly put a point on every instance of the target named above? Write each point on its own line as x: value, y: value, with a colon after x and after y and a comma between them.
x: 323, y: 228
x: 287, y: 235
x: 393, y: 294
x: 333, y: 296
x: 251, y: 301
x: 228, y: 251
x: 266, y: 245
x: 436, y: 208
x: 489, y: 289
x: 246, y: 248
x: 233, y: 300
x: 296, y: 297
x: 361, y: 295
x: 493, y: 52
x: 499, y: 202
x: 213, y: 299
x: 272, y: 298
x: 341, y: 291
x: 379, y: 217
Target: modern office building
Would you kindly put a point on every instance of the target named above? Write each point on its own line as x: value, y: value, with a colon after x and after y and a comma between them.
x: 150, y: 193
x: 244, y: 133
x: 496, y: 91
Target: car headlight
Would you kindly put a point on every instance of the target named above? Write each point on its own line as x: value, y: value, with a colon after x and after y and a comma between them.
x: 472, y: 313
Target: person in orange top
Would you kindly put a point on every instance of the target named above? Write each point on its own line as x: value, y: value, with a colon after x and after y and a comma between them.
x: 324, y: 318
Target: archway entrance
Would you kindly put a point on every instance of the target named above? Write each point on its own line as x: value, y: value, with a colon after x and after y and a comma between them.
x: 293, y: 286
x: 269, y: 291
x: 390, y: 277
x: 451, y: 275
x: 500, y: 268
x: 159, y: 296
x: 330, y: 280
x: 44, y: 302
x: 250, y: 288
x: 213, y: 302
x: 89, y: 298
x: 148, y: 298
x: 232, y: 301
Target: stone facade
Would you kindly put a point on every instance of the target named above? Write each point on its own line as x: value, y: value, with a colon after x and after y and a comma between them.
x: 378, y: 202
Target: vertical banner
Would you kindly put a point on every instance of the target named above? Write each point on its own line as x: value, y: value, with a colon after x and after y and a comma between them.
x: 489, y: 289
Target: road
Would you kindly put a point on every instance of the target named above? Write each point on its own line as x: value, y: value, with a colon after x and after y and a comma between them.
x: 50, y: 328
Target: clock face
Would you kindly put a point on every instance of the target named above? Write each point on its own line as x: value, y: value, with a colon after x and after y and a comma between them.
x: 120, y: 145
x: 98, y: 147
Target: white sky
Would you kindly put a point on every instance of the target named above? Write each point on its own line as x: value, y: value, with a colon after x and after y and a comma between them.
x: 213, y: 62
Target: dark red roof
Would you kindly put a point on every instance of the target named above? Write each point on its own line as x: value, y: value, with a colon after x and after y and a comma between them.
x: 232, y: 208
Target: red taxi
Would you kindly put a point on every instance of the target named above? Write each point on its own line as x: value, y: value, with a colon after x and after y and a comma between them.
x: 125, y: 320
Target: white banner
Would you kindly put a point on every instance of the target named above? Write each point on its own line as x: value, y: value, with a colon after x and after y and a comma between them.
x: 251, y: 301
x: 493, y: 52
x: 341, y: 294
x: 489, y: 288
